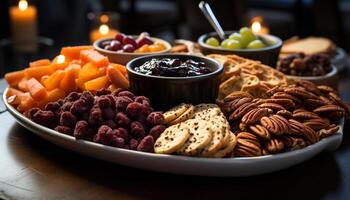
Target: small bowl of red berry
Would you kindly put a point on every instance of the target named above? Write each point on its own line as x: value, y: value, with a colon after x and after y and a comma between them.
x: 123, y: 48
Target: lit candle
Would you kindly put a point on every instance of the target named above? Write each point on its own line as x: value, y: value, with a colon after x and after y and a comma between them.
x: 257, y: 26
x: 102, y: 32
x: 23, y: 24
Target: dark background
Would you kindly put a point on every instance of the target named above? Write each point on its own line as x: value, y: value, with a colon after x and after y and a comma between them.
x: 66, y: 22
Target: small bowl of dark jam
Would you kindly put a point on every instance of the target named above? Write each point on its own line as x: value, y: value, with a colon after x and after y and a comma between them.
x: 171, y: 79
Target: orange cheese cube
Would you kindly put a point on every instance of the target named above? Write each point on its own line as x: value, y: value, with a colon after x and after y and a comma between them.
x: 94, y: 57
x: 36, y: 90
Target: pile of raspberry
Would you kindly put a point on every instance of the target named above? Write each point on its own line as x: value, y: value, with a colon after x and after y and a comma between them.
x: 118, y: 119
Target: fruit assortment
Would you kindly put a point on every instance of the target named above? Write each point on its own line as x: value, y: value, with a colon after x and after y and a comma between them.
x: 244, y: 39
x: 117, y: 118
x: 173, y: 68
x: 75, y: 69
x: 128, y: 44
x: 290, y: 118
x: 305, y: 65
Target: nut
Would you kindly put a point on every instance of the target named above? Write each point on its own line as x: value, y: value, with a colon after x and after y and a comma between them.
x: 283, y: 95
x: 286, y: 103
x: 255, y: 115
x: 285, y: 113
x: 329, y: 108
x: 242, y: 110
x: 325, y: 89
x: 273, y: 106
x: 274, y: 145
x: 329, y: 131
x: 247, y: 145
x: 317, y: 124
x: 271, y: 125
x: 260, y: 131
x: 304, y: 115
x: 237, y: 95
x: 300, y: 92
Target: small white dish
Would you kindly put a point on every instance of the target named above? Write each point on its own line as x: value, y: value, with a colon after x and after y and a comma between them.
x: 216, y: 167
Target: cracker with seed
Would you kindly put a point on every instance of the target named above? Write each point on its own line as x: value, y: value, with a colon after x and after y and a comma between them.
x: 175, y: 112
x: 200, y: 136
x: 188, y: 114
x: 172, y: 139
x: 228, y: 148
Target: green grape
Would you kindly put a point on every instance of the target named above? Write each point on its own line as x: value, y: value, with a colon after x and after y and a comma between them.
x: 212, y: 42
x: 247, y: 36
x: 224, y: 43
x: 232, y: 44
x: 235, y: 36
x: 256, y: 44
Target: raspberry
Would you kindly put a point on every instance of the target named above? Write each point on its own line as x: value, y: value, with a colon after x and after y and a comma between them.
x: 104, y: 135
x: 156, y: 131
x: 108, y: 113
x: 104, y: 102
x: 122, y: 119
x: 79, y: 107
x: 95, y: 115
x: 68, y: 119
x: 81, y: 130
x: 112, y: 99
x: 133, y: 109
x: 127, y: 94
x: 146, y: 144
x: 102, y: 91
x: 53, y: 106
x: 122, y: 133
x: 45, y: 118
x: 133, y: 144
x: 73, y: 96
x: 155, y: 118
x: 66, y: 106
x: 143, y: 100
x: 117, y: 142
x: 122, y: 102
x: 110, y: 123
x: 64, y: 129
x: 137, y: 129
x: 88, y: 97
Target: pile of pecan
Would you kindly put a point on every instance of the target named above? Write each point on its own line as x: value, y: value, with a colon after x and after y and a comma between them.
x: 290, y: 118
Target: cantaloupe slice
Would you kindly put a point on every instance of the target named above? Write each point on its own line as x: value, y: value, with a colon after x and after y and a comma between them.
x: 36, y: 89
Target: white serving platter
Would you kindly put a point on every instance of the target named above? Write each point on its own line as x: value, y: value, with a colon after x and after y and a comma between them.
x: 216, y: 167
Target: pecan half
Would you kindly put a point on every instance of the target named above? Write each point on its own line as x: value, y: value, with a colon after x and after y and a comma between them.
x: 236, y: 95
x: 292, y: 143
x: 247, y: 145
x: 299, y: 129
x: 242, y: 110
x: 329, y: 108
x: 317, y: 124
x: 336, y: 99
x: 305, y: 115
x: 271, y: 125
x: 283, y: 95
x: 331, y: 130
x: 283, y: 123
x: 274, y: 90
x: 286, y: 103
x: 274, y: 145
x: 310, y: 135
x: 255, y: 115
x: 325, y: 89
x: 300, y: 92
x: 260, y: 131
x: 325, y: 100
x: 273, y: 106
x: 285, y: 113
x: 314, y: 103
x: 309, y: 86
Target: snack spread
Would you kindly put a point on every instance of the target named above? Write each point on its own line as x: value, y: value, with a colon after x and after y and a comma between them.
x: 173, y: 68
x: 246, y: 75
x: 305, y: 65
x: 244, y: 39
x: 126, y: 43
x: 118, y: 118
x: 76, y: 68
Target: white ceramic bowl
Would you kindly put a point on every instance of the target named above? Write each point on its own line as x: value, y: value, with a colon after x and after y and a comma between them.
x: 339, y: 60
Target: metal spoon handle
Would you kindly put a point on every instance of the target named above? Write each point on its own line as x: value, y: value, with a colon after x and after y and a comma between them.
x: 208, y: 13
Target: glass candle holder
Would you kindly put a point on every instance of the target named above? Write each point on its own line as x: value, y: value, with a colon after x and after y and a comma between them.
x: 103, y: 25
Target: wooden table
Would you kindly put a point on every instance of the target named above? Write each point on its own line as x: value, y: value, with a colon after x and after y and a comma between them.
x: 31, y: 168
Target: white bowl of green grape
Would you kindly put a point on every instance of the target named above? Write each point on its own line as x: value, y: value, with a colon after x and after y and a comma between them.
x: 245, y: 43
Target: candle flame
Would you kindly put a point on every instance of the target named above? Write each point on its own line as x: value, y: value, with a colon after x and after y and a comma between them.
x: 104, y: 29
x: 256, y: 27
x: 61, y: 59
x: 104, y: 19
x: 22, y: 5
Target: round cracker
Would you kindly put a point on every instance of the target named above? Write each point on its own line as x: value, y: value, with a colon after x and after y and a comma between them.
x: 188, y: 114
x: 172, y: 139
x: 175, y: 112
x: 228, y: 148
